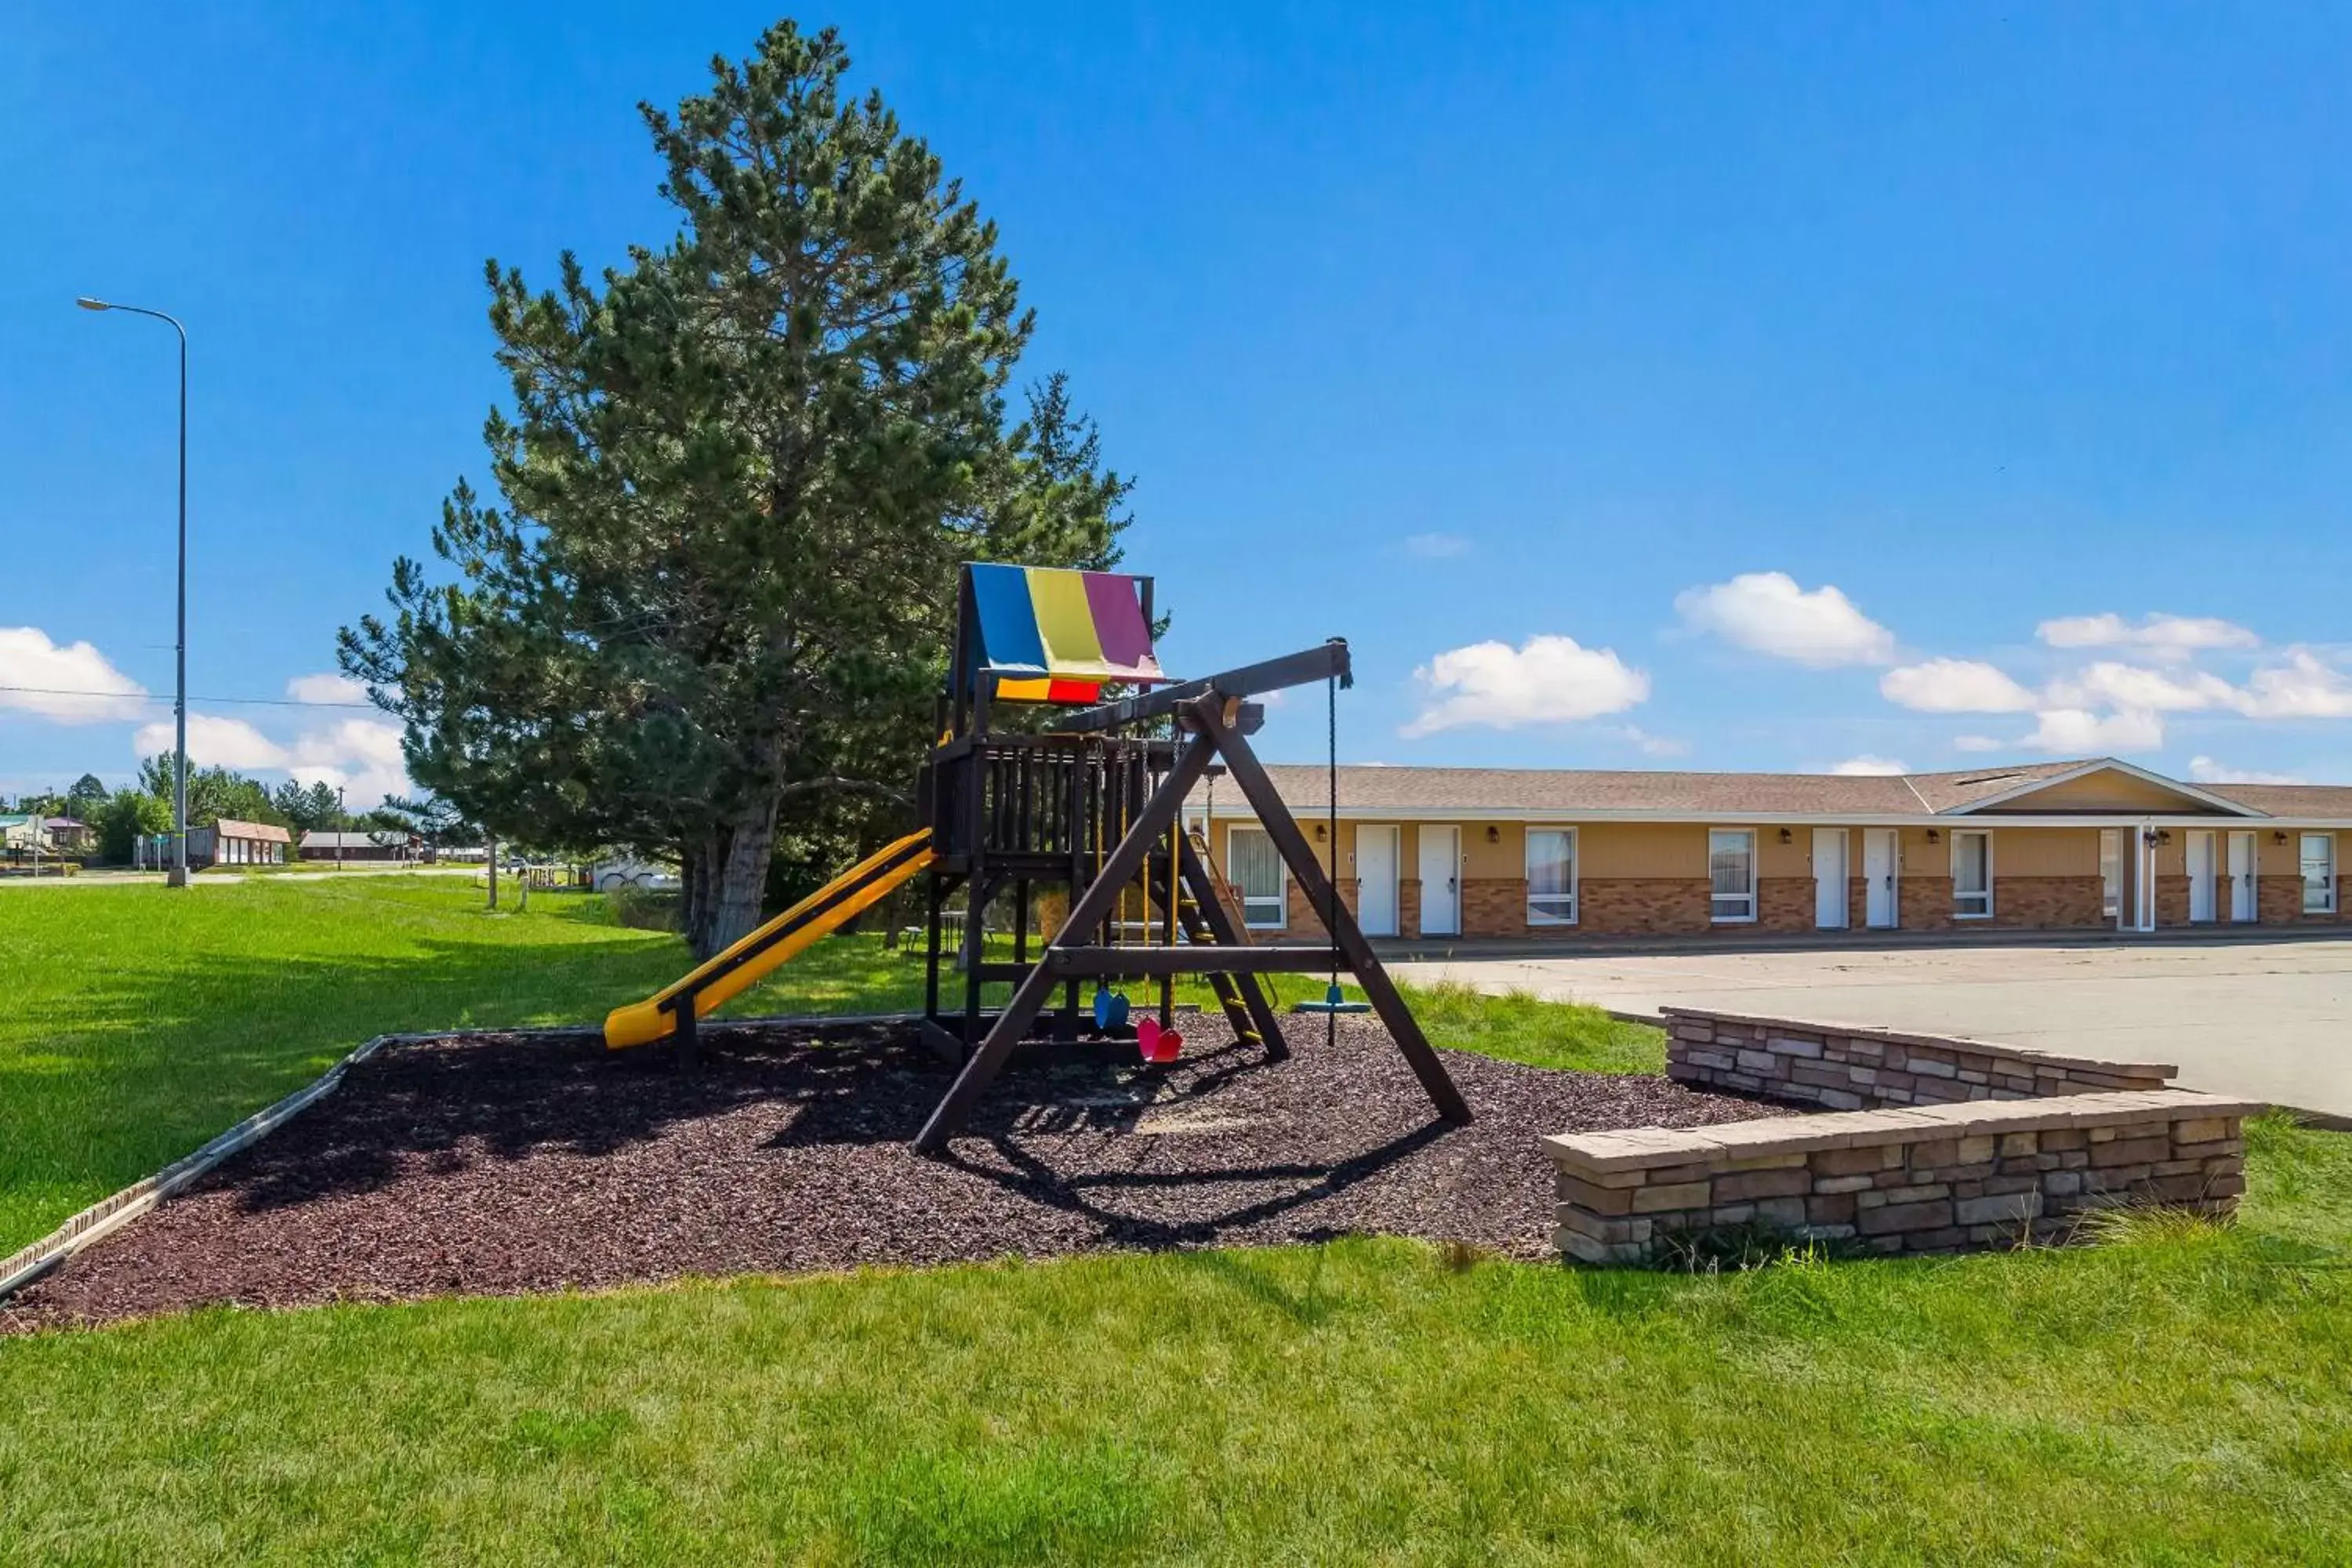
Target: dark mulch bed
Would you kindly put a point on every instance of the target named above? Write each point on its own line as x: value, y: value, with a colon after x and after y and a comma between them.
x: 503, y: 1164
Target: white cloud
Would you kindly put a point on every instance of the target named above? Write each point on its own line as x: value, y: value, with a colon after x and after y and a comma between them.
x: 72, y: 683
x: 1867, y: 766
x: 1436, y: 546
x: 1545, y: 681
x: 1978, y: 744
x: 1955, y: 686
x: 2205, y: 770
x: 362, y: 757
x: 213, y: 742
x: 2162, y: 637
x: 1767, y: 612
x: 1654, y: 745
x: 2077, y: 732
x: 369, y: 740
x: 2302, y: 688
x: 326, y: 686
x: 2110, y: 685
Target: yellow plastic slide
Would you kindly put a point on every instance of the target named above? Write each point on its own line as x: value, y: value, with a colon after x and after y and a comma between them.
x: 723, y: 978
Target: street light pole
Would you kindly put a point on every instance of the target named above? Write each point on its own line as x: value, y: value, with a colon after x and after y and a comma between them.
x: 178, y: 877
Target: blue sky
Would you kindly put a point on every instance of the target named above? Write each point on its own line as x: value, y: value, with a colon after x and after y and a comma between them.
x: 1707, y: 387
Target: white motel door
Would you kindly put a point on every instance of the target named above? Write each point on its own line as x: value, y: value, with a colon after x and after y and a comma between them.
x: 1829, y: 878
x: 1375, y: 879
x: 1879, y: 869
x: 2241, y: 876
x: 2200, y: 874
x: 1440, y: 881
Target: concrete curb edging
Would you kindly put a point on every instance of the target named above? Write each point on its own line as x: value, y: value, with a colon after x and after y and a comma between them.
x: 108, y: 1214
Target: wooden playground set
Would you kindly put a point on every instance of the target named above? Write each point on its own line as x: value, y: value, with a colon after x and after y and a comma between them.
x: 1045, y: 787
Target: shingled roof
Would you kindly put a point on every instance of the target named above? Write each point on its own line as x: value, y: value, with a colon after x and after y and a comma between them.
x: 1414, y: 791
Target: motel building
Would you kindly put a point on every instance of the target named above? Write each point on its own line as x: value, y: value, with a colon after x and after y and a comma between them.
x: 2093, y: 845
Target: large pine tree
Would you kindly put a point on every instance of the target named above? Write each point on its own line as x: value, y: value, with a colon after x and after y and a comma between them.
x: 737, y: 478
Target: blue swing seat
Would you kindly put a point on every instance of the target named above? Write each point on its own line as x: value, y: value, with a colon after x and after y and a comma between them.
x: 1334, y: 1001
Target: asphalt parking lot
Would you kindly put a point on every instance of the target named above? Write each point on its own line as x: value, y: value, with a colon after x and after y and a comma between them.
x: 2267, y: 1019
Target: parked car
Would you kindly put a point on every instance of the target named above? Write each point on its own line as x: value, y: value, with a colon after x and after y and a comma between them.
x: 650, y: 875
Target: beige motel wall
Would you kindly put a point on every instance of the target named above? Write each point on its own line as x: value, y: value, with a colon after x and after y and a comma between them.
x: 1651, y: 878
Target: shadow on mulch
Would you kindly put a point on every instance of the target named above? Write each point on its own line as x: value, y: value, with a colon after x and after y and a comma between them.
x: 514, y: 1162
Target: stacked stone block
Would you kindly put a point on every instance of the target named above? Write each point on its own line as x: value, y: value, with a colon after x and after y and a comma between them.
x: 1936, y: 1178
x: 1853, y: 1066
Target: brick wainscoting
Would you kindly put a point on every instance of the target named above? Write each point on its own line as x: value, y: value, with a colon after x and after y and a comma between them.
x: 2049, y: 903
x: 1925, y: 902
x: 2172, y: 900
x: 1494, y: 906
x: 1643, y: 906
x: 1784, y: 904
x: 1409, y: 906
x: 1305, y: 918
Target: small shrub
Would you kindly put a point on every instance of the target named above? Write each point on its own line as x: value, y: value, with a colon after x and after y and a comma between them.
x: 1735, y: 1248
x: 641, y: 909
x: 2147, y: 1223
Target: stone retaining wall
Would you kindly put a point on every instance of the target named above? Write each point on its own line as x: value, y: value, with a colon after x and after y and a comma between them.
x: 1936, y: 1178
x: 1852, y: 1067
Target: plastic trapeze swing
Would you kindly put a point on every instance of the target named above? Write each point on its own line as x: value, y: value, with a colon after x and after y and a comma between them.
x: 1110, y: 1007
x: 1157, y: 1039
x: 1335, y: 1000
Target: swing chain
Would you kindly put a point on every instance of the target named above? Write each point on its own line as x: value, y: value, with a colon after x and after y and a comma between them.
x: 1331, y: 881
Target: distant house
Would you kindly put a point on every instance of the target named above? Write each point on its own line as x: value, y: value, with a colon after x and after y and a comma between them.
x: 320, y: 844
x: 23, y: 832
x: 66, y: 835
x: 229, y: 842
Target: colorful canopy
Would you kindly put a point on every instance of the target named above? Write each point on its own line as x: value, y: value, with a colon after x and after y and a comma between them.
x: 1059, y: 635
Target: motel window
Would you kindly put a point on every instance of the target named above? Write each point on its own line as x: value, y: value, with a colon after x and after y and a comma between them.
x: 1258, y: 872
x: 2111, y: 872
x: 1552, y: 875
x: 1731, y: 874
x: 2319, y: 873
x: 1972, y: 875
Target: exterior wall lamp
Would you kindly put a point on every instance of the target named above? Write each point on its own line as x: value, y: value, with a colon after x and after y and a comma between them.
x: 1934, y: 836
x: 1494, y: 833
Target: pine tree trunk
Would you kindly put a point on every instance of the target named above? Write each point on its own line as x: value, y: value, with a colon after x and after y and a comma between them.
x: 736, y: 884
x: 694, y: 877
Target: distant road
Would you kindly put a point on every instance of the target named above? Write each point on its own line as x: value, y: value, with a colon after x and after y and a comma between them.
x: 228, y: 878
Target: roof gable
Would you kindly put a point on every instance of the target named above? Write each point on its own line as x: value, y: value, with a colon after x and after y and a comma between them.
x: 2102, y: 785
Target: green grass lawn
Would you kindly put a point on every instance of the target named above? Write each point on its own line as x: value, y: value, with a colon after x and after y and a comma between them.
x: 137, y: 1022
x: 2181, y: 1394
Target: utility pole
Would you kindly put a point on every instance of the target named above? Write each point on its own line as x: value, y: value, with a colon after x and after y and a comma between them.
x: 179, y: 873
x: 341, y: 816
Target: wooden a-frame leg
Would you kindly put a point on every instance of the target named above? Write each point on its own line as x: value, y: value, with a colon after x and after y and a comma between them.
x: 1222, y: 926
x: 1345, y: 934
x: 1086, y: 915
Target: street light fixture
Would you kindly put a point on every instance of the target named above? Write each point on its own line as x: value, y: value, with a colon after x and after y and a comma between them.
x: 178, y: 877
